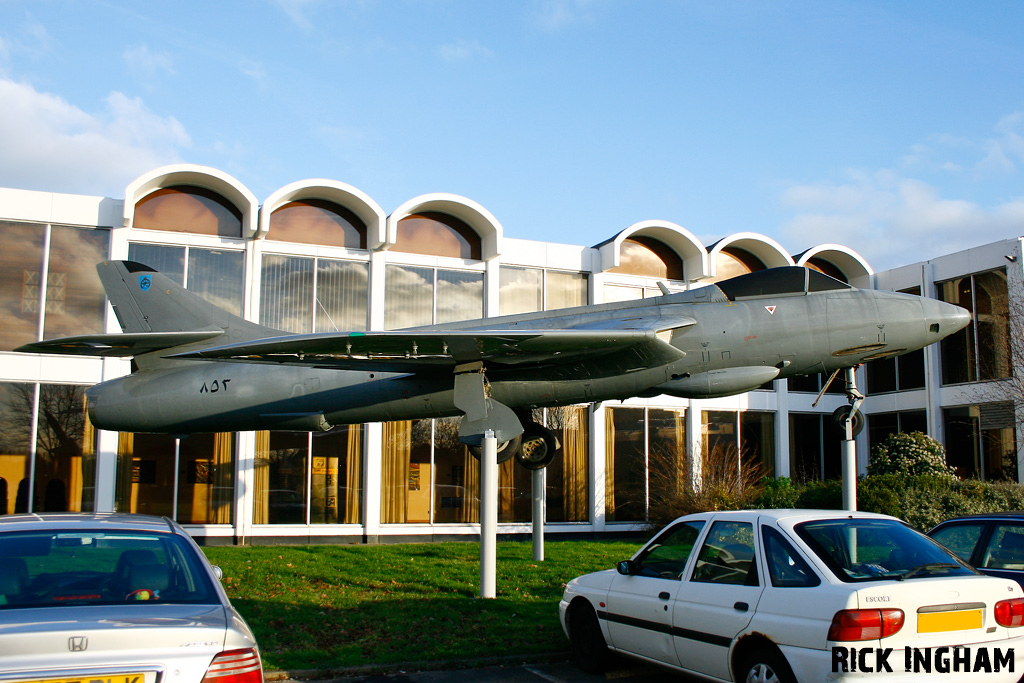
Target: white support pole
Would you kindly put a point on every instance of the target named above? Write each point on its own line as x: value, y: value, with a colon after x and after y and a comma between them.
x: 540, y: 496
x: 488, y: 515
x: 849, y: 443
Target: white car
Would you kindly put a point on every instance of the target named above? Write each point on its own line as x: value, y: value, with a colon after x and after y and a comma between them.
x: 798, y: 595
x: 115, y: 598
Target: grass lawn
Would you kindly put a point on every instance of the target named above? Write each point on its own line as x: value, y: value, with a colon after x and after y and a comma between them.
x: 324, y: 607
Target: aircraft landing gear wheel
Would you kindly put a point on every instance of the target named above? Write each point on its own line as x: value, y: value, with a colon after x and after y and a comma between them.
x: 839, y: 416
x: 589, y: 649
x: 764, y: 666
x: 506, y: 449
x: 539, y: 447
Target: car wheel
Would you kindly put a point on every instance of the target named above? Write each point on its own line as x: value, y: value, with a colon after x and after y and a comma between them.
x: 764, y: 666
x: 586, y: 641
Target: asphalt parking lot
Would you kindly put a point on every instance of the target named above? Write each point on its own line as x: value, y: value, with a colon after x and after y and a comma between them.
x: 551, y: 672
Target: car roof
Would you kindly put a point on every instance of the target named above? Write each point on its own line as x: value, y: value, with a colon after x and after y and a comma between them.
x: 1018, y: 514
x: 71, y: 521
x: 792, y: 514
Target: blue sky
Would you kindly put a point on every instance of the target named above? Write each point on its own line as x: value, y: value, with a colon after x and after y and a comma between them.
x: 895, y: 128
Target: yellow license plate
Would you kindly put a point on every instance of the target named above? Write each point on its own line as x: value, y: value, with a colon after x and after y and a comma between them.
x: 961, y: 620
x: 102, y: 678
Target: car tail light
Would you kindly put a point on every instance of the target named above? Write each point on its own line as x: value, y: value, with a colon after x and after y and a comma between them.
x: 235, y: 666
x: 865, y: 624
x: 1010, y: 612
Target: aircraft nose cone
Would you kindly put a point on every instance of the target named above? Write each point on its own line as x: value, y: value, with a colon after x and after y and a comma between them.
x: 945, y: 319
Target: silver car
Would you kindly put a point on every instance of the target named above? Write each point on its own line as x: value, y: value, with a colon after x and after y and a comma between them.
x: 115, y: 597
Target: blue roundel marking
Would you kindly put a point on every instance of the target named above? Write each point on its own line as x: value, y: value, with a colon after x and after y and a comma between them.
x: 144, y: 282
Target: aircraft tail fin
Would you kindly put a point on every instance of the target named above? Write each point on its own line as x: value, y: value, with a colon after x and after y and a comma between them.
x: 145, y: 300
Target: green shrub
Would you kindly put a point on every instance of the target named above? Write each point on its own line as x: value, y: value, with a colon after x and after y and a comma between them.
x: 910, y: 455
x: 821, y: 495
x: 777, y: 493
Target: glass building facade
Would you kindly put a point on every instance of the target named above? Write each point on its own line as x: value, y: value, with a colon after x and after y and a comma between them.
x: 322, y: 257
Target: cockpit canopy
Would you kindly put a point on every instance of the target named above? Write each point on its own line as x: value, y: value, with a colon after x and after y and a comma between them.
x: 791, y: 280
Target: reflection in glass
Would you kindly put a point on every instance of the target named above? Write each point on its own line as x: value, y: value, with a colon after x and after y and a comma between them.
x: 437, y: 234
x: 460, y: 296
x: 457, y: 491
x: 286, y: 293
x: 521, y: 290
x: 145, y: 474
x: 218, y: 277
x: 342, y: 295
x: 565, y: 290
x: 733, y: 261
x: 191, y: 209
x: 21, y: 262
x: 647, y: 256
x: 568, y: 480
x: 319, y: 222
x: 280, y: 477
x: 626, y: 465
x: 65, y: 471
x: 337, y: 476
x: 162, y: 258
x: 15, y: 439
x: 408, y: 297
x: 75, y: 301
x: 206, y: 478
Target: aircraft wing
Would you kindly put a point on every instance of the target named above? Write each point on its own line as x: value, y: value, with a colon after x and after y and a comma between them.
x: 119, y: 344
x: 420, y: 350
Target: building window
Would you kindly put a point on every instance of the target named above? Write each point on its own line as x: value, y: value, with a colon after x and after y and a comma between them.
x: 812, y: 384
x: 881, y: 425
x: 191, y: 480
x: 186, y: 208
x: 750, y: 434
x: 645, y: 460
x: 981, y: 441
x: 815, y: 448
x: 649, y: 257
x: 309, y: 478
x: 217, y: 275
x: 302, y: 294
x: 733, y: 261
x: 416, y: 296
x: 527, y: 290
x: 72, y: 298
x: 319, y: 222
x: 437, y: 234
x: 981, y: 351
x: 430, y: 477
x: 63, y: 477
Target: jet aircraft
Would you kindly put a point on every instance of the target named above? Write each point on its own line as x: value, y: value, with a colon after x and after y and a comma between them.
x: 198, y: 368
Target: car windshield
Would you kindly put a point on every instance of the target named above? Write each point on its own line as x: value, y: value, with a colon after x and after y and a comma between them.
x: 878, y: 549
x: 51, y: 569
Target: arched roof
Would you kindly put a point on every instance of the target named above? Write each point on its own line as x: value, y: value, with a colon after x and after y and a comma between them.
x: 200, y: 176
x: 355, y: 200
x: 765, y: 248
x: 856, y: 269
x: 676, y: 237
x: 472, y: 214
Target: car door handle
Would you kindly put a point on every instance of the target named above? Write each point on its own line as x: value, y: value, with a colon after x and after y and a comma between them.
x: 741, y: 607
x: 664, y: 595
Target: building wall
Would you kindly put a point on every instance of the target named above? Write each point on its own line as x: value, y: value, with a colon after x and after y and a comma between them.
x: 415, y: 265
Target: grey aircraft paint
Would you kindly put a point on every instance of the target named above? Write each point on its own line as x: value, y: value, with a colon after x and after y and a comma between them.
x: 201, y: 369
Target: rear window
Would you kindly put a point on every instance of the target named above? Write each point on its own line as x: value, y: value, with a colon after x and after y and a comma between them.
x: 877, y: 550
x: 48, y: 569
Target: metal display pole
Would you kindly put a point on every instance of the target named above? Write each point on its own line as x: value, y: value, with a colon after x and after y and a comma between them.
x: 540, y: 494
x: 488, y: 515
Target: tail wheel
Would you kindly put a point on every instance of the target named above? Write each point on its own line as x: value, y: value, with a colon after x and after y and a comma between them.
x: 586, y: 641
x: 539, y: 447
x: 764, y: 665
x: 506, y: 449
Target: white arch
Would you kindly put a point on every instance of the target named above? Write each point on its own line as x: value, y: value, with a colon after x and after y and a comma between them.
x: 676, y: 237
x: 472, y: 214
x: 353, y: 199
x: 854, y: 266
x: 763, y: 247
x: 193, y: 174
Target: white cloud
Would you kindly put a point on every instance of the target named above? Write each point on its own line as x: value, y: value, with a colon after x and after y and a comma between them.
x: 296, y: 11
x: 893, y: 220
x: 463, y: 50
x: 555, y: 15
x: 49, y: 144
x: 146, y: 64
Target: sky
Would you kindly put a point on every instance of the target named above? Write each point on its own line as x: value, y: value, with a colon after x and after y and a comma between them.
x: 894, y: 128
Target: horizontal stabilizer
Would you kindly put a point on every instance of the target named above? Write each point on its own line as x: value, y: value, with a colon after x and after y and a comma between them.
x: 117, y: 345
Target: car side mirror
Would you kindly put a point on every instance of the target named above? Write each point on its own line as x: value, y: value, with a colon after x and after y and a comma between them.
x: 217, y: 571
x: 626, y: 567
